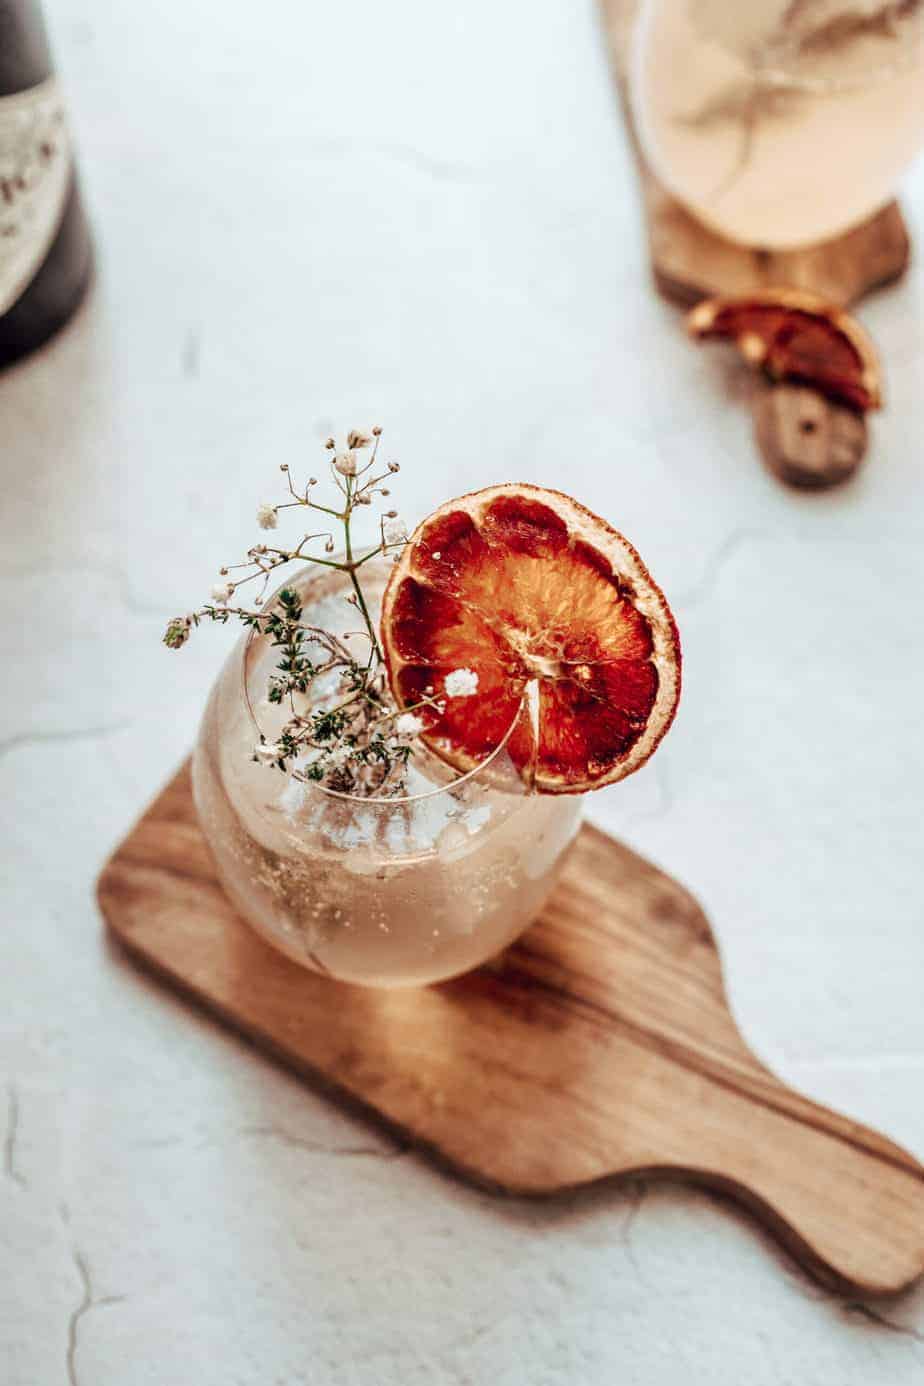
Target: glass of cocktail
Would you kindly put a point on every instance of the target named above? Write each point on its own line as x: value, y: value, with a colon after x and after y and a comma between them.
x: 389, y: 889
x: 391, y: 765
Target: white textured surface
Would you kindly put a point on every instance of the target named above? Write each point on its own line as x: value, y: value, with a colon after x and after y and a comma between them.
x: 420, y: 214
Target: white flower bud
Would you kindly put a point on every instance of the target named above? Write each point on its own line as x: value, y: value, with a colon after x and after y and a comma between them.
x: 461, y: 683
x: 266, y: 516
x: 408, y: 725
x: 222, y: 593
x: 345, y: 463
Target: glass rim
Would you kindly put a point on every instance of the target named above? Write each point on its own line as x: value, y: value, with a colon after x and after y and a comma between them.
x: 376, y: 800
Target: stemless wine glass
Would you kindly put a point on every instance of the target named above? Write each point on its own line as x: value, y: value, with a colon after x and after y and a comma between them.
x: 395, y: 891
x: 779, y: 122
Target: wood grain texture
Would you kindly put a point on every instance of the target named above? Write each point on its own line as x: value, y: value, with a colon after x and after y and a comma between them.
x: 807, y: 440
x: 690, y: 262
x: 602, y: 1045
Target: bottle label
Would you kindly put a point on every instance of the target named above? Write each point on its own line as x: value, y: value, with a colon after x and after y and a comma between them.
x: 35, y: 166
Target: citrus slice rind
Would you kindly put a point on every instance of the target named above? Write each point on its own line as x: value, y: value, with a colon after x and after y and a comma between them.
x: 795, y: 335
x: 558, y: 617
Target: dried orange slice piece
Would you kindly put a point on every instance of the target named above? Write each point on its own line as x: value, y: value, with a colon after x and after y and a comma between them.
x: 795, y: 335
x: 544, y: 602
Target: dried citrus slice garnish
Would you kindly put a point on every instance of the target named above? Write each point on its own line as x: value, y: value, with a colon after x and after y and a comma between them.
x: 795, y: 335
x: 550, y: 608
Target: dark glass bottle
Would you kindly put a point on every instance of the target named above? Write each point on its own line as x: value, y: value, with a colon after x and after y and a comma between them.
x: 45, y: 251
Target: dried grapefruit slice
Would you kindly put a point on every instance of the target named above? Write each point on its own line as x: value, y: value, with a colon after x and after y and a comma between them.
x: 543, y: 601
x: 795, y: 335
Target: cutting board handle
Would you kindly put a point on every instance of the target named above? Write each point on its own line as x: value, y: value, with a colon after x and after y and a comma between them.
x: 825, y: 1186
x: 837, y: 1244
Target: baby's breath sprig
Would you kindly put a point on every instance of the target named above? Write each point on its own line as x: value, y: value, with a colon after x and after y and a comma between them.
x: 355, y: 740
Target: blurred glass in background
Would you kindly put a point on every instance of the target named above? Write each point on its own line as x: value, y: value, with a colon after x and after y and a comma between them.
x: 779, y: 122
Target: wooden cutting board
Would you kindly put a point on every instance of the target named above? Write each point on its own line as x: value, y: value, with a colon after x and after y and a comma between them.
x: 601, y: 1045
